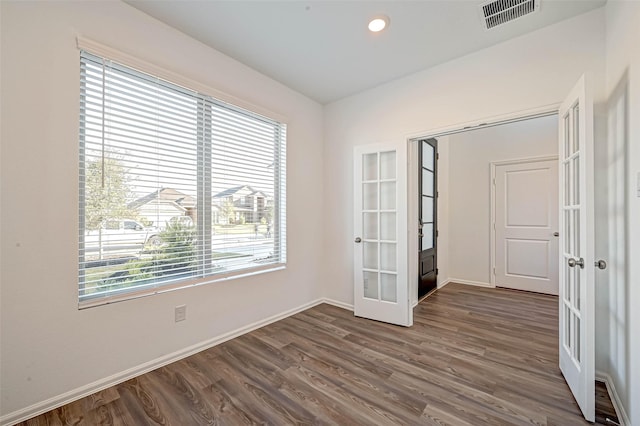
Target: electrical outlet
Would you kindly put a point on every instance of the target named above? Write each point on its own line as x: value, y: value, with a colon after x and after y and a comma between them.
x: 181, y: 313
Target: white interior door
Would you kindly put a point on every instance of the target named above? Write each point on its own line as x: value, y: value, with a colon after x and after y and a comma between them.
x: 576, y: 300
x: 526, y: 225
x: 381, y: 287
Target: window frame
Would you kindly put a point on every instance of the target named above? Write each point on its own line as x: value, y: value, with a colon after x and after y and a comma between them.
x: 203, y: 214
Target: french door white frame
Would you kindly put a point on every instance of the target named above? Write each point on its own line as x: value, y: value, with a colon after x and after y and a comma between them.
x: 381, y: 285
x: 577, y: 271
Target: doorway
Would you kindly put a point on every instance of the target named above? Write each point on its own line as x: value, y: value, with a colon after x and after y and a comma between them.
x: 427, y: 215
x: 463, y: 222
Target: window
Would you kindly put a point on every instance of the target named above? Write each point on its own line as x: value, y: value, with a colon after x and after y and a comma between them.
x: 163, y: 173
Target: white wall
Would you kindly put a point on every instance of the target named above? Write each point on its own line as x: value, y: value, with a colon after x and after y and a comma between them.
x: 623, y: 151
x: 531, y: 71
x: 48, y: 346
x: 470, y: 155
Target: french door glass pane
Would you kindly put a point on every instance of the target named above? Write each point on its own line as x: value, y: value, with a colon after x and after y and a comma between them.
x: 370, y: 255
x: 370, y: 225
x: 370, y: 284
x: 567, y: 230
x: 427, y: 156
x: 388, y: 165
x: 576, y: 129
x: 567, y: 136
x: 370, y: 167
x: 388, y: 196
x: 567, y: 327
x: 427, y: 209
x: 427, y: 236
x: 576, y: 232
x: 370, y: 196
x: 567, y: 282
x: 577, y: 333
x: 576, y: 180
x: 567, y: 181
x: 576, y: 288
x: 388, y: 226
x: 388, y: 285
x: 427, y: 182
x: 388, y: 256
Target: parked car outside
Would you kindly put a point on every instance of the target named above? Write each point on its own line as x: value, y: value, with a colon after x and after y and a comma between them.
x: 121, y: 235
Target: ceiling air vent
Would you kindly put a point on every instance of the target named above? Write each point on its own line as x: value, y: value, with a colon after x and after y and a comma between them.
x: 498, y: 12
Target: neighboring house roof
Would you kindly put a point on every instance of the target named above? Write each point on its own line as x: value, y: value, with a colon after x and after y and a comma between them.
x: 236, y: 189
x: 167, y: 195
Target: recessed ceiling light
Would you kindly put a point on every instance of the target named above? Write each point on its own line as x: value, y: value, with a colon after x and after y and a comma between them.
x: 378, y: 23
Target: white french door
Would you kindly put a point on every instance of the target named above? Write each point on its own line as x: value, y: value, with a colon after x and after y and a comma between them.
x: 381, y: 287
x: 576, y: 300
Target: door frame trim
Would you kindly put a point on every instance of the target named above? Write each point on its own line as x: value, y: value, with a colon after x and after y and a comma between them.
x: 492, y: 219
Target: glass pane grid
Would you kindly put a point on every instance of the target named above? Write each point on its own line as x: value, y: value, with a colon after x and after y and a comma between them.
x: 571, y: 285
x: 379, y: 223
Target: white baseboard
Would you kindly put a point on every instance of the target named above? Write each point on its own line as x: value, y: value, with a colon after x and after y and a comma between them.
x: 615, y: 398
x: 86, y: 390
x: 443, y: 283
x: 468, y: 282
x: 339, y: 304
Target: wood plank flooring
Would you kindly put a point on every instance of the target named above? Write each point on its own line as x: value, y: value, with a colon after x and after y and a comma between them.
x: 474, y: 356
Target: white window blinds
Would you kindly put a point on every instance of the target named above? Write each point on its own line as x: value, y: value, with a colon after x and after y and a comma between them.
x: 175, y: 186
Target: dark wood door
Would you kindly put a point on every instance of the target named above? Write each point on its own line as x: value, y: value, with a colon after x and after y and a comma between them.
x: 428, y: 207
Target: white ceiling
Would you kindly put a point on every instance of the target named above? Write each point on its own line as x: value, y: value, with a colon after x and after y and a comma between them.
x: 323, y: 48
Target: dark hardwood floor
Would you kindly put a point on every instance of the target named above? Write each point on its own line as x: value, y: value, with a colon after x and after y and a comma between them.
x: 474, y: 356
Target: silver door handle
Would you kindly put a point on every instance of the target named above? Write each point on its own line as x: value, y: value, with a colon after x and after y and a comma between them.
x: 601, y: 264
x: 358, y: 240
x: 573, y: 262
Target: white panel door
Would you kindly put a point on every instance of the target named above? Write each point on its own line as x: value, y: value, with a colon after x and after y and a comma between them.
x: 381, y: 287
x: 526, y: 219
x: 576, y: 300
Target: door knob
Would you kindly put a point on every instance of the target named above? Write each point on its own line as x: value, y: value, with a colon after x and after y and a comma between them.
x: 358, y: 240
x: 601, y: 264
x: 573, y: 262
x: 556, y: 234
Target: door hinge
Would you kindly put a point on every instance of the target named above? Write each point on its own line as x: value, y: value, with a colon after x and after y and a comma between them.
x: 437, y: 194
x: 494, y: 181
x: 494, y: 226
x: 494, y: 271
x: 437, y: 271
x: 438, y: 233
x: 437, y: 155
